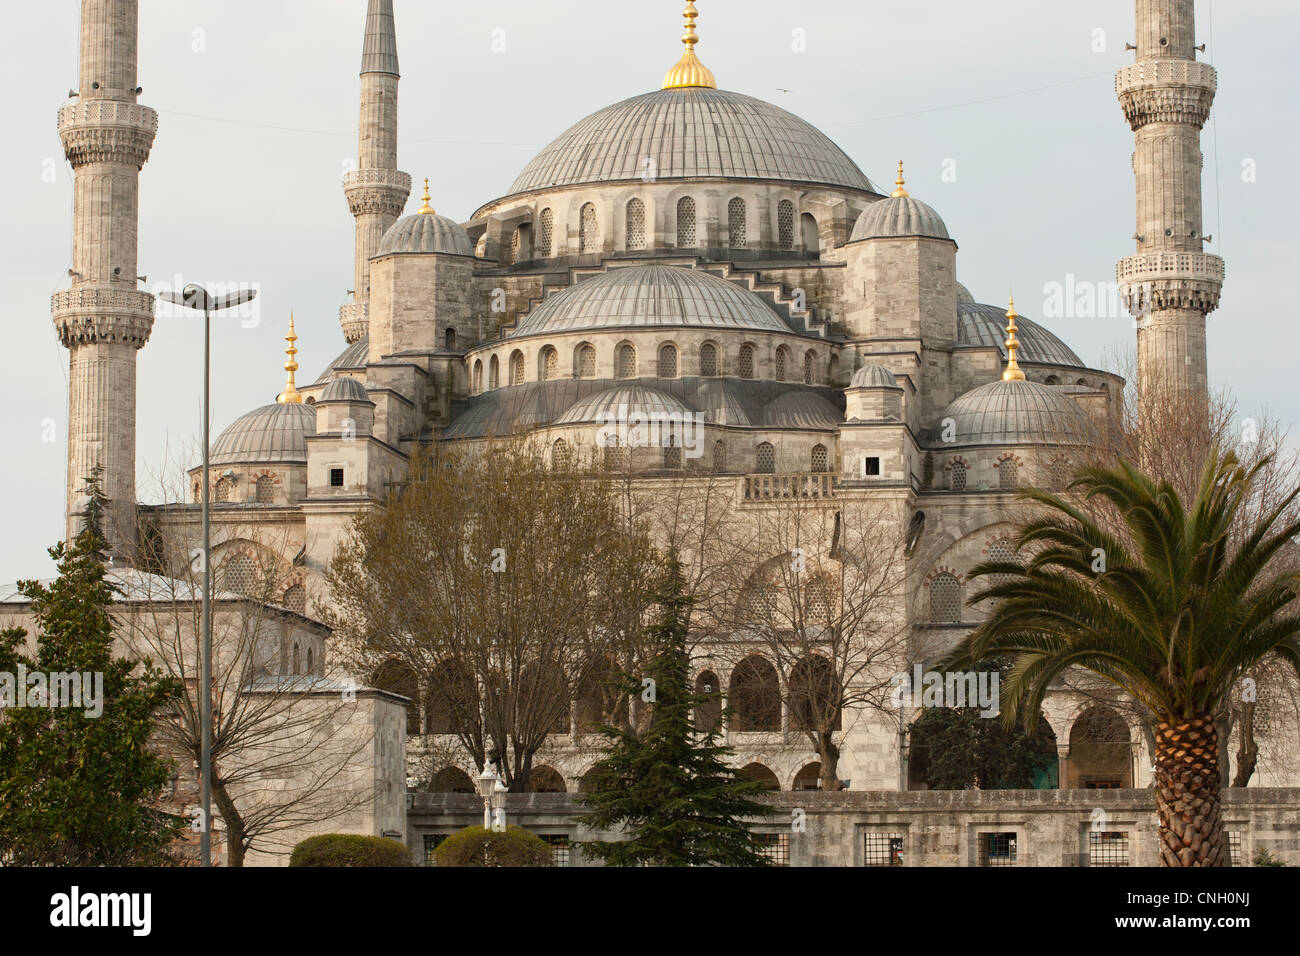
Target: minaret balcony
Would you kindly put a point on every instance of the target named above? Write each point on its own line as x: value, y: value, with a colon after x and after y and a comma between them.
x: 107, y: 131
x: 91, y: 315
x: 1166, y: 91
x: 1170, y: 280
x: 382, y: 191
x: 355, y: 320
x: 1152, y: 74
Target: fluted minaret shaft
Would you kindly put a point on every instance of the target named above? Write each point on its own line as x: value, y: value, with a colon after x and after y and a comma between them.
x: 377, y: 191
x: 104, y: 318
x: 1171, y: 284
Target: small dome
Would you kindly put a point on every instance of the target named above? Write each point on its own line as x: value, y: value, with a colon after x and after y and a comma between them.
x: 272, y: 433
x: 801, y: 409
x: 651, y: 296
x: 899, y: 217
x: 354, y: 356
x: 344, y: 389
x: 873, y: 376
x: 425, y: 233
x: 623, y: 403
x: 963, y: 295
x: 987, y: 325
x: 1015, y: 413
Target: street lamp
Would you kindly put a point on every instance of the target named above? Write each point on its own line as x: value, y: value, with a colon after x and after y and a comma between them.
x: 492, y: 790
x: 197, y: 298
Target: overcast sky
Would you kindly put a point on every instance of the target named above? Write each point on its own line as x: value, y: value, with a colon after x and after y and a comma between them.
x: 258, y: 101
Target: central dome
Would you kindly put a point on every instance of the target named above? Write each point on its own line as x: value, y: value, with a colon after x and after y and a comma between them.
x: 692, y: 133
x: 647, y: 296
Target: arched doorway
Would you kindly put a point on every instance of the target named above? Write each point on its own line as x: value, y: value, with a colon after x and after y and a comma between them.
x: 1101, y: 752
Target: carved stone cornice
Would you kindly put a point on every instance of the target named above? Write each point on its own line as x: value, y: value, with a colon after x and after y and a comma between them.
x: 1152, y: 282
x: 355, y: 320
x: 107, y: 131
x: 95, y: 314
x: 377, y: 191
x: 1166, y: 91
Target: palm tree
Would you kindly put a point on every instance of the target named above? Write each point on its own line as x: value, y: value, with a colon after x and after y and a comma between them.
x: 1166, y: 603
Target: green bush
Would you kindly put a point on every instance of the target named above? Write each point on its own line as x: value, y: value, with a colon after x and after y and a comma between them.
x: 349, y: 849
x: 1265, y: 858
x: 475, y: 846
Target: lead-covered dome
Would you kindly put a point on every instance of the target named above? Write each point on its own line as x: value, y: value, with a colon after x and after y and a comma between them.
x: 899, y: 217
x: 691, y: 133
x: 873, y: 376
x: 425, y: 232
x: 987, y: 325
x: 1014, y: 412
x: 272, y: 433
x: 648, y: 296
x: 625, y: 403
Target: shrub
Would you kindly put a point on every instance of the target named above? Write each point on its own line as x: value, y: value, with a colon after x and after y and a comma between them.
x: 349, y: 849
x: 475, y: 846
x: 1265, y: 858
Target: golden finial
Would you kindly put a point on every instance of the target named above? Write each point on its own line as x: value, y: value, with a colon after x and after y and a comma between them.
x: 689, y: 71
x: 426, y: 209
x: 290, y: 395
x: 1012, y: 373
x: 900, y: 192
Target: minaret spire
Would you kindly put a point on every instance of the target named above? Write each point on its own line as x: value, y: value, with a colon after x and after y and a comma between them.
x: 377, y: 190
x: 1013, y: 372
x: 689, y: 71
x: 104, y: 318
x: 1171, y: 284
x: 290, y: 395
x: 899, y: 192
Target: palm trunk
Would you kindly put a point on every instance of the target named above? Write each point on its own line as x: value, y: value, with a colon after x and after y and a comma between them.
x: 1187, y: 794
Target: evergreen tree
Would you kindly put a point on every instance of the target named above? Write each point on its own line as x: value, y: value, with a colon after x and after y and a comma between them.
x: 671, y: 787
x: 78, y: 788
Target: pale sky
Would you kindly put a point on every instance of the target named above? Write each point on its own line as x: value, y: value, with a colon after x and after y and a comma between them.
x: 258, y: 103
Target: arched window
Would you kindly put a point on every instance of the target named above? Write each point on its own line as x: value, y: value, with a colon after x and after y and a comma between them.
x: 719, y: 456
x: 833, y: 372
x: 782, y: 363
x: 708, y: 359
x: 545, y: 780
x: 1061, y: 471
x: 686, y: 223
x: 635, y: 224
x: 586, y: 361
x: 516, y: 367
x: 760, y: 775
x: 957, y: 476
x: 197, y: 490
x: 1007, y: 478
x: 494, y: 373
x: 545, y: 233
x: 478, y: 375
x: 625, y: 367
x: 755, y: 696
x: 223, y: 490
x: 945, y: 599
x: 820, y: 459
x: 560, y: 455
x: 295, y: 598
x: 785, y: 223
x: 514, y: 246
x: 310, y: 664
x: 809, y: 777
x: 451, y: 780
x: 397, y: 678
x: 548, y: 364
x: 617, y: 457
x: 449, y: 340
x: 745, y: 364
x: 265, y: 489
x: 452, y: 699
x: 765, y: 459
x: 708, y: 715
x: 736, y: 223
x: 297, y: 659
x: 241, y: 575
x: 668, y: 361
x: 811, y: 234
x: 1101, y: 753
x: 815, y: 696
x: 1051, y: 380
x: 810, y: 367
x: 588, y: 229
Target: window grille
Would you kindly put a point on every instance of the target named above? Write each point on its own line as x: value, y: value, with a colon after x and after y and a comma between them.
x: 997, y: 849
x: 809, y: 368
x: 295, y: 598
x: 545, y: 233
x: 945, y: 599
x: 626, y: 362
x: 686, y: 222
x: 820, y: 458
x: 745, y: 367
x: 550, y: 364
x: 882, y: 849
x: 785, y: 223
x: 672, y: 453
x: 781, y: 363
x: 636, y: 224
x: 774, y: 846
x: 589, y: 229
x: 668, y: 361
x: 1007, y: 473
x: 224, y: 487
x: 559, y: 843
x: 719, y: 456
x: 1234, y: 846
x: 765, y: 459
x: 708, y: 360
x: 265, y: 489
x: 431, y: 843
x: 517, y: 369
x: 957, y: 481
x: 736, y: 222
x: 560, y: 457
x: 587, y: 361
x: 514, y: 246
x: 239, y: 573
x: 1107, y: 848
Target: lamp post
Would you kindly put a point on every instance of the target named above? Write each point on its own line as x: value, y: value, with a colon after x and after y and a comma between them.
x: 491, y: 790
x: 198, y: 298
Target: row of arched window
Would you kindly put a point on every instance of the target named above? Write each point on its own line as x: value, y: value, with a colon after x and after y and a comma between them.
x: 946, y: 588
x: 224, y: 490
x: 617, y: 457
x: 668, y: 364
x: 1060, y: 471
x: 638, y: 234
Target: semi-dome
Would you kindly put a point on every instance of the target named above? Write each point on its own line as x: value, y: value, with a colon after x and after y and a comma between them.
x: 344, y: 389
x: 986, y: 325
x: 691, y: 133
x: 1014, y: 412
x: 272, y: 433
x: 963, y: 295
x: 800, y: 408
x: 873, y: 376
x: 624, y: 403
x: 651, y: 296
x: 899, y: 217
x: 354, y: 356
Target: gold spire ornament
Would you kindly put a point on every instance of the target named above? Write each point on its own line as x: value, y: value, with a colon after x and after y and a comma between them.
x: 900, y: 192
x: 1012, y: 373
x: 689, y: 71
x: 426, y: 209
x: 290, y: 395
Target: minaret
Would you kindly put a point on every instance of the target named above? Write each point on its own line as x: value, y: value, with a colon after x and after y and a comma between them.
x: 377, y: 190
x: 1171, y: 284
x: 104, y: 317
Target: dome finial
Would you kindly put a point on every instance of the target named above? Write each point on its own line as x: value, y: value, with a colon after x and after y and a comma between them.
x: 900, y: 192
x: 689, y: 71
x: 426, y: 209
x: 1012, y: 373
x: 290, y: 395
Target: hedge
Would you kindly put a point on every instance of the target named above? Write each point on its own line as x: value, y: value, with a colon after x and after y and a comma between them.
x: 348, y: 849
x: 475, y: 846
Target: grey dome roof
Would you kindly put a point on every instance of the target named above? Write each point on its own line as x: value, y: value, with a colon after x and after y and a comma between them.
x: 425, y: 233
x: 354, y: 356
x: 271, y: 433
x: 898, y: 217
x: 1015, y: 413
x: 623, y: 402
x: 873, y: 376
x: 987, y: 325
x: 691, y: 133
x: 801, y: 409
x: 963, y: 295
x: 643, y: 296
x: 344, y: 389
